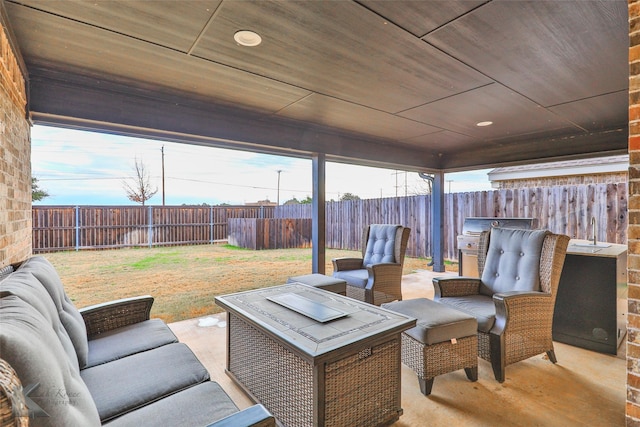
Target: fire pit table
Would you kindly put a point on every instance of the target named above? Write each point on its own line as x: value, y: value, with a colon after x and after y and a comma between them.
x: 315, y: 358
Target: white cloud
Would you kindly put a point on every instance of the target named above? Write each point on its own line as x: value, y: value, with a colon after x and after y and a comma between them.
x: 78, y: 167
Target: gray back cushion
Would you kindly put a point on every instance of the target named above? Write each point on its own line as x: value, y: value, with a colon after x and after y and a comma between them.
x: 513, y: 261
x: 29, y: 289
x: 69, y: 315
x: 381, y: 244
x: 31, y: 347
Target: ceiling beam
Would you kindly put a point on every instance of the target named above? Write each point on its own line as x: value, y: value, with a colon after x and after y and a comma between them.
x: 606, y: 142
x: 64, y: 99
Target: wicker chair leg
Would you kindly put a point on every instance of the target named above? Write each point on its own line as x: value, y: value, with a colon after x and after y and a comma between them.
x: 497, y: 356
x: 426, y: 385
x: 552, y: 356
x: 369, y: 297
x: 472, y: 373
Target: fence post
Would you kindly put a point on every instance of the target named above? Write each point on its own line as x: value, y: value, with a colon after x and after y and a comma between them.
x: 77, y: 211
x: 150, y: 221
x: 210, y: 225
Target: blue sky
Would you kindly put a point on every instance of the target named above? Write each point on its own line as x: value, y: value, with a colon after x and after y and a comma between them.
x: 77, y: 167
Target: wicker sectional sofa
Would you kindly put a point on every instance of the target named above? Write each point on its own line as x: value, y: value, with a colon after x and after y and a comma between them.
x: 108, y: 364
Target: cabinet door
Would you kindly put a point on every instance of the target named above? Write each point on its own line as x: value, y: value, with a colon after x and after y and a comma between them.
x: 585, y: 311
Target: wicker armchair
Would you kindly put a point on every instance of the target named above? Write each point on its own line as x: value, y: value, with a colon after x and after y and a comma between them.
x: 514, y: 299
x: 376, y: 277
x: 13, y: 407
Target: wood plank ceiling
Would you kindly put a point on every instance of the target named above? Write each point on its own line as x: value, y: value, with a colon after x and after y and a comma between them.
x: 396, y: 83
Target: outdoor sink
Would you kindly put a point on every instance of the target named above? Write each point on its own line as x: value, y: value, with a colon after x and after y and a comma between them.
x: 588, y: 247
x: 591, y: 245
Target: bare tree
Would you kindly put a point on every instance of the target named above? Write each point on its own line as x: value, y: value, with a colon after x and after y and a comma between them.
x: 424, y: 186
x: 139, y: 188
x: 421, y: 188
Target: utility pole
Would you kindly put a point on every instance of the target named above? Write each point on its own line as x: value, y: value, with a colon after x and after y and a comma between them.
x: 406, y: 189
x: 278, y: 199
x: 162, y: 150
x: 406, y: 185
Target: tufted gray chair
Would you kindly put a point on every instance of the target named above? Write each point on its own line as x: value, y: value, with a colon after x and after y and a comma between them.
x: 376, y: 277
x: 514, y: 298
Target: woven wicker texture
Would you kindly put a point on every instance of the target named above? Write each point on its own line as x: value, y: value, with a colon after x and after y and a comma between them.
x: 523, y: 322
x: 384, y: 279
x: 484, y: 347
x: 355, y: 292
x: 429, y: 361
x: 6, y: 271
x: 105, y: 317
x: 528, y: 331
x: 279, y: 379
x: 13, y: 410
x: 461, y: 287
x: 361, y: 389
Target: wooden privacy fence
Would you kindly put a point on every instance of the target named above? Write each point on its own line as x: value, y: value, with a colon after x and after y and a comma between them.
x: 57, y: 228
x: 269, y: 233
x: 561, y: 209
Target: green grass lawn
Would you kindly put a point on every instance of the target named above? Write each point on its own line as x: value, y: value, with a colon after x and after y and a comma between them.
x: 185, y: 279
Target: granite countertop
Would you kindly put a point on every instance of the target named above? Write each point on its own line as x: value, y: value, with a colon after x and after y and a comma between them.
x: 602, y: 249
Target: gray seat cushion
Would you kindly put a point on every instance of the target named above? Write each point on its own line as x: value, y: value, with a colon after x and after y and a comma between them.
x: 328, y: 283
x: 357, y: 278
x: 436, y: 322
x: 199, y: 405
x: 69, y: 315
x: 481, y: 307
x: 513, y: 261
x: 31, y: 347
x: 129, y: 383
x: 129, y: 340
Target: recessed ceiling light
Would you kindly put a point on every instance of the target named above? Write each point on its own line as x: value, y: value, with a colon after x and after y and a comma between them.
x: 247, y: 38
x: 481, y: 124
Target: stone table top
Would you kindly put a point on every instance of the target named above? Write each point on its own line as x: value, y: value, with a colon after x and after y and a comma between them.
x: 357, y: 320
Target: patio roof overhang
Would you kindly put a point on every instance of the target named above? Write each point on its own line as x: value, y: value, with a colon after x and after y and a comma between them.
x: 400, y: 84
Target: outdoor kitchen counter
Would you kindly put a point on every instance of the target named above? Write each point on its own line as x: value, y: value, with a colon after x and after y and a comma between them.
x: 601, y: 249
x: 591, y: 306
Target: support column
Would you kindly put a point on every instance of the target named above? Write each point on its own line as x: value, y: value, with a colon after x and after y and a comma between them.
x: 318, y: 221
x: 437, y: 222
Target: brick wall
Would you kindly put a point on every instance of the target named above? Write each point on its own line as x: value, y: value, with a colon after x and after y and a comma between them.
x: 604, y: 178
x: 15, y: 160
x: 633, y: 336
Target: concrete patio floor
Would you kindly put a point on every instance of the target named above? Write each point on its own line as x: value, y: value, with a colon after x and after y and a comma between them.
x: 584, y: 388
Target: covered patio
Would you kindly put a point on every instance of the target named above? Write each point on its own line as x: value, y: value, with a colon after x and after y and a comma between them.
x: 584, y: 388
x: 427, y: 87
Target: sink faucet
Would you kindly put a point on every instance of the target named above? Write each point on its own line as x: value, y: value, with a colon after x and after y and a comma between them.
x: 593, y: 226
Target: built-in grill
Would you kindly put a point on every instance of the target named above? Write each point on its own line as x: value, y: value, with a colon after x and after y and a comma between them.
x: 468, y: 240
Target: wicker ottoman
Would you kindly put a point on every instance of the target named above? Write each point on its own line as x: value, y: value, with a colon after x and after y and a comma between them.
x: 321, y: 281
x: 443, y: 340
